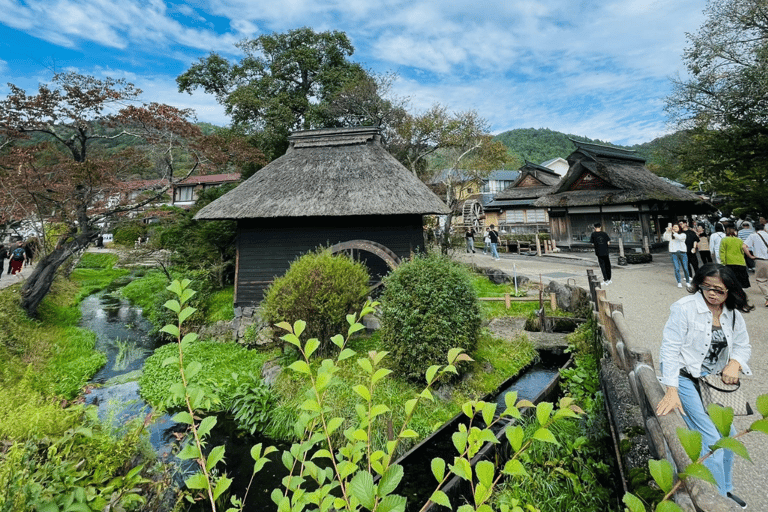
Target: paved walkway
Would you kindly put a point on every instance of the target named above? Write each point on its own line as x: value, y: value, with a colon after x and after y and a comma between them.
x: 646, y: 292
x: 7, y: 280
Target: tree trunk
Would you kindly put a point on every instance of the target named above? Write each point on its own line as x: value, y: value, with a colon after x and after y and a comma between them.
x: 38, y: 284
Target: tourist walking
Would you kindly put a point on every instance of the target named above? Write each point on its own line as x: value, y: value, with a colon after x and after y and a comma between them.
x: 745, y: 231
x: 494, y: 236
x: 706, y: 334
x: 714, y: 241
x: 3, y: 256
x: 677, y: 252
x: 17, y: 258
x: 600, y: 241
x: 732, y: 251
x: 486, y: 242
x: 691, y: 246
x: 470, y: 236
x: 706, y: 256
x: 757, y: 243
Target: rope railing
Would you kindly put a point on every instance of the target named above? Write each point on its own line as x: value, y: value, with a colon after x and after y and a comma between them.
x: 637, y: 363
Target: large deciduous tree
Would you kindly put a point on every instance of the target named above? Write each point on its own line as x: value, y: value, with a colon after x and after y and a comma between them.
x: 283, y: 83
x: 53, y: 168
x: 723, y: 103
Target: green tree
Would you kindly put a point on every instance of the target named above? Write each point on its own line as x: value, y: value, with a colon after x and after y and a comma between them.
x: 283, y: 83
x: 723, y: 101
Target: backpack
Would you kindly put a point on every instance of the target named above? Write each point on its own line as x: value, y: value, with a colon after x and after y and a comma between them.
x: 18, y: 253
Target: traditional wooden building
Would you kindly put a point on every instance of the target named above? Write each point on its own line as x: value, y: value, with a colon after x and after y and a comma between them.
x: 333, y: 186
x: 515, y: 207
x: 612, y: 186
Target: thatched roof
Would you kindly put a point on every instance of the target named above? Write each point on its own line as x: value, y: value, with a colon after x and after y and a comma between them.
x: 617, y: 176
x: 328, y: 172
x: 533, y: 181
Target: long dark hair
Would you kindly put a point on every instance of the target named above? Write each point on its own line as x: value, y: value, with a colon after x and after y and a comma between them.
x: 736, y: 298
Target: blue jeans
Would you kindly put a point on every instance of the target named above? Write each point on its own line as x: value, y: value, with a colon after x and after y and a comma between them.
x: 494, y: 251
x: 720, y: 463
x: 680, y: 259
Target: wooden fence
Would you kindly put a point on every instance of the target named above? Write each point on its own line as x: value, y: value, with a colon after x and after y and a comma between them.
x: 637, y: 363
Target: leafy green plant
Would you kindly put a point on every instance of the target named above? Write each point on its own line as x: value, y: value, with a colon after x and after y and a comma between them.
x: 428, y: 306
x: 321, y: 288
x: 252, y: 404
x: 664, y: 474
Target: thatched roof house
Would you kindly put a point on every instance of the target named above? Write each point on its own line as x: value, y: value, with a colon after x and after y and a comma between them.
x: 331, y: 186
x: 612, y: 186
x: 515, y: 205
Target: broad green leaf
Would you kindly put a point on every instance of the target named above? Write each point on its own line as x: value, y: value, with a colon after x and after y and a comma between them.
x: 510, y: 398
x: 193, y: 369
x: 668, y: 506
x: 222, y: 484
x: 312, y: 345
x: 188, y: 338
x: 762, y: 405
x: 426, y: 394
x: 468, y: 409
x: 484, y: 471
x: 365, y: 364
x: 360, y: 435
x: 300, y: 366
x: 410, y: 405
x: 633, y: 503
x: 662, y: 473
x: 171, y: 329
x: 543, y: 411
x: 515, y: 435
x: 438, y: 468
x: 310, y: 404
x: 322, y: 454
x: 362, y: 392
x: 351, y: 318
x: 338, y: 340
x: 453, y: 354
x: 174, y: 287
x: 734, y: 445
x: 216, y: 456
x: 292, y: 339
x: 409, y: 433
x: 170, y: 360
x: 722, y: 417
x: 346, y: 354
x: 197, y: 481
x: 190, y: 451
x: 362, y: 488
x: 524, y: 403
x: 391, y: 503
x: 482, y: 493
x: 322, y: 381
x: 378, y: 410
x: 380, y: 374
x: 284, y: 326
x: 700, y: 471
x: 489, y: 412
x: 760, y: 426
x: 459, y: 441
x: 462, y: 469
x: 173, y: 305
x: 514, y: 467
x: 182, y: 417
x: 432, y: 372
x: 440, y: 498
x: 206, y: 425
x: 355, y: 328
x: 691, y: 441
x: 186, y: 313
x: 390, y: 480
x: 334, y: 424
x: 298, y: 327
x: 545, y: 435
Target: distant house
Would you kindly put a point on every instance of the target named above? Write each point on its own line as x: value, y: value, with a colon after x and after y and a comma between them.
x: 185, y: 192
x: 333, y: 187
x: 612, y: 186
x: 514, y: 208
x: 559, y: 165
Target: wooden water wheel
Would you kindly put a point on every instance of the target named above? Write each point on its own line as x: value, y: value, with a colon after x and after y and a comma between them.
x: 473, y: 215
x: 352, y: 247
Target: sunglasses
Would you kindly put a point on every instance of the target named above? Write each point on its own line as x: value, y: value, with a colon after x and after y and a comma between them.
x: 718, y: 291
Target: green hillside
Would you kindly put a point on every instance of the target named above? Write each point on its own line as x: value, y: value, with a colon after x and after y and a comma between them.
x: 539, y: 145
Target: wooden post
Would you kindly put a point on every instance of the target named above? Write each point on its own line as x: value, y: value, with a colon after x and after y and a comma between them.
x: 554, y: 245
x: 646, y: 246
x: 507, y: 301
x: 538, y: 245
x: 621, y: 247
x: 553, y: 301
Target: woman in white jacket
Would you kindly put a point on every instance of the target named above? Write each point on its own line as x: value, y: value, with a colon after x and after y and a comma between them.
x: 677, y: 251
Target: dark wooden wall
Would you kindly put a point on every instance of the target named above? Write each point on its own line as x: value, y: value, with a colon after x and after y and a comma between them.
x: 266, y: 247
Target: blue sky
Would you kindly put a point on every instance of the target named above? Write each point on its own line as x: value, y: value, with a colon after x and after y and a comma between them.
x: 599, y: 69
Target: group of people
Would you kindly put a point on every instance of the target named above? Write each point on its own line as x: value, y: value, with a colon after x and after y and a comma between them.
x: 742, y: 247
x: 490, y: 241
x: 18, y: 254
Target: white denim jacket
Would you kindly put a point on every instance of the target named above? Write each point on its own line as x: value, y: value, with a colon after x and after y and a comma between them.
x: 688, y: 336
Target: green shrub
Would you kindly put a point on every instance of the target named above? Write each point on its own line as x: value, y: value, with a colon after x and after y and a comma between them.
x: 320, y: 288
x: 642, y: 257
x: 252, y: 404
x: 428, y: 306
x: 126, y: 233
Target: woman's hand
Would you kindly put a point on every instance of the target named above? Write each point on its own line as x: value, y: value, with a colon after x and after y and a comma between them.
x: 669, y: 403
x: 731, y: 372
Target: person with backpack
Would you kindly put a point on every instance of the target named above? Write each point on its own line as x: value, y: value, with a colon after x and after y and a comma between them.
x: 18, y: 255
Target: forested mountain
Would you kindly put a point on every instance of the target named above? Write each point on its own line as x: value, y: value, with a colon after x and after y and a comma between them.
x: 540, y: 145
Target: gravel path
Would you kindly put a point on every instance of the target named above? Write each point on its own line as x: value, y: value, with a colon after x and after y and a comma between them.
x: 646, y: 292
